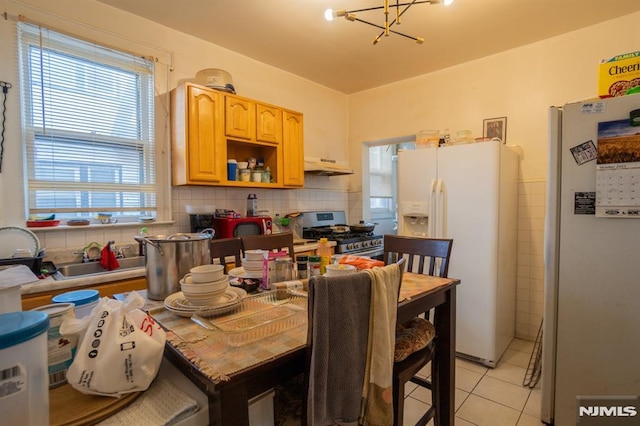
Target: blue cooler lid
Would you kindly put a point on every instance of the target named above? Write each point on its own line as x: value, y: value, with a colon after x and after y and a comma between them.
x: 18, y: 327
x: 77, y: 297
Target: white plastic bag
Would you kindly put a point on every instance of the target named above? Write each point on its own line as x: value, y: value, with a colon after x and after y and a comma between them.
x: 120, y: 348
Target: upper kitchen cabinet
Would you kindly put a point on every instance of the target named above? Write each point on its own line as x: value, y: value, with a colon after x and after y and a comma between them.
x: 292, y: 152
x: 198, y: 147
x: 268, y: 124
x: 253, y: 121
x: 209, y: 127
x: 240, y: 117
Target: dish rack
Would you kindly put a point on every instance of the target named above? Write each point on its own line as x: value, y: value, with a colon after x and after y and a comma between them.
x: 255, y: 317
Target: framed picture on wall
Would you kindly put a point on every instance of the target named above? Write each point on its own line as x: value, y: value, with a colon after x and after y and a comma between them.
x: 495, y: 128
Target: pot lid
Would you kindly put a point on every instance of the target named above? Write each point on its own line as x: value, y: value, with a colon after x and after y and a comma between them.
x: 180, y: 237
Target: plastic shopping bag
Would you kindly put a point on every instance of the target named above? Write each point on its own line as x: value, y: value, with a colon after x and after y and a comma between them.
x: 120, y: 348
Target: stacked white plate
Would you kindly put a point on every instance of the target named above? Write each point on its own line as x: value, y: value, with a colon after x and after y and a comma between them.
x: 252, y: 264
x: 242, y: 273
x: 180, y: 305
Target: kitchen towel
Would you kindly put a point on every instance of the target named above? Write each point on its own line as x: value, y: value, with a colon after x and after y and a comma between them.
x: 340, y: 328
x: 378, y: 386
x: 108, y: 259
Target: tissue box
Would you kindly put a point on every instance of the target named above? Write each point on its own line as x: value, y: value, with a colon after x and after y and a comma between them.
x: 619, y: 74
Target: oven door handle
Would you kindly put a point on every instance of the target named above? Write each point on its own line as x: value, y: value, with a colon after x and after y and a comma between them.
x: 375, y: 251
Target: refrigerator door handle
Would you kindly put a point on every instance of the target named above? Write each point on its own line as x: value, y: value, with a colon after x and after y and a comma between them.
x: 441, y: 216
x: 431, y: 225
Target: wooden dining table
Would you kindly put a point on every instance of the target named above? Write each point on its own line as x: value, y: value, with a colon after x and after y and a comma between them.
x: 232, y: 375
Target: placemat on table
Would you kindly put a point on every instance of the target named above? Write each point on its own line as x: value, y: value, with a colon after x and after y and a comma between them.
x: 209, y: 351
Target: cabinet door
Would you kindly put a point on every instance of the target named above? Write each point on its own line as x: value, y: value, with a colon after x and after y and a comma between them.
x: 240, y: 117
x: 269, y: 123
x: 292, y: 149
x: 205, y: 142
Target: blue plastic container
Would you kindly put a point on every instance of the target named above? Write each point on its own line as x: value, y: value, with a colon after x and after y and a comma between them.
x: 84, y: 300
x: 23, y: 362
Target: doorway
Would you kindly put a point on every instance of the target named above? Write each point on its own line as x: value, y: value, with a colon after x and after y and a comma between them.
x: 380, y: 181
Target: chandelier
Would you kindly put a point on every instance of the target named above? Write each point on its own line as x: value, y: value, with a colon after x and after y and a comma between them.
x: 389, y: 22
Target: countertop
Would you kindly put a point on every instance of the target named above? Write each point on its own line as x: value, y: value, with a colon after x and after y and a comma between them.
x: 49, y: 284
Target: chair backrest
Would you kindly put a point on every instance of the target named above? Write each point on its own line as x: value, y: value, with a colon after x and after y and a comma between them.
x: 432, y: 254
x: 224, y: 248
x: 273, y: 242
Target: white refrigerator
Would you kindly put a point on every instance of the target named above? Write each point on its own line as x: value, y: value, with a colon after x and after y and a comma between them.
x: 591, y: 332
x: 469, y: 193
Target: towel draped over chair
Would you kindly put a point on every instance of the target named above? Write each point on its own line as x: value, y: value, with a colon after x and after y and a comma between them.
x: 352, y: 338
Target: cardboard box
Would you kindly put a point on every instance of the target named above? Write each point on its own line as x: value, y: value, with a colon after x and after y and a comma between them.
x: 619, y: 74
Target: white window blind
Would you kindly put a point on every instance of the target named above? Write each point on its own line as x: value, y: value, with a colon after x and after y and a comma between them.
x: 88, y: 127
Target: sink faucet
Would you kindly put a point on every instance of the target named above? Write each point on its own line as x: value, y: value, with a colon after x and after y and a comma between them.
x: 85, y: 252
x: 120, y: 251
x: 85, y: 256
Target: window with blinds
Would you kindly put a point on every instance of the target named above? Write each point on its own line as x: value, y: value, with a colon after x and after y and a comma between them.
x: 88, y: 127
x: 381, y: 180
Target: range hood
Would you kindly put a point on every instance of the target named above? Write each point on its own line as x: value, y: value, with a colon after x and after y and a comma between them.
x: 325, y: 167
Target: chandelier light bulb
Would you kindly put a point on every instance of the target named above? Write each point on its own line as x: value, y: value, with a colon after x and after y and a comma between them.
x: 328, y: 14
x: 448, y: 2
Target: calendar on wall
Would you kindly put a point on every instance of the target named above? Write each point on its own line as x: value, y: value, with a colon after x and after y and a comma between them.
x: 618, y: 170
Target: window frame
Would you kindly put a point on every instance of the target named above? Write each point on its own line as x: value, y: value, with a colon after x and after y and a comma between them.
x: 30, y: 35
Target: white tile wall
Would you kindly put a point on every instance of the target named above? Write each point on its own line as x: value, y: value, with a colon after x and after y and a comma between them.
x: 271, y: 200
x: 530, y: 284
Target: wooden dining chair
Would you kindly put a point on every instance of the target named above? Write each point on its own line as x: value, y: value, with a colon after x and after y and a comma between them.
x: 273, y: 242
x: 223, y: 249
x: 343, y: 341
x: 429, y: 256
x: 333, y: 344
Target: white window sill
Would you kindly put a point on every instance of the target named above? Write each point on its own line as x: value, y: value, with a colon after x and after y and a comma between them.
x: 100, y: 225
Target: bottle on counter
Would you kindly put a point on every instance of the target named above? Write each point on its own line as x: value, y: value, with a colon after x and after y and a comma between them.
x: 141, y: 245
x: 314, y: 265
x: 324, y: 251
x: 252, y: 205
x: 302, y: 266
x: 277, y: 221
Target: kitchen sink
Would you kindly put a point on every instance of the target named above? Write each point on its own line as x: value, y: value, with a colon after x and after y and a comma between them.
x: 75, y: 270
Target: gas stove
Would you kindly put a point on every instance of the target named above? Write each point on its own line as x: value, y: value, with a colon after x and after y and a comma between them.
x: 346, y: 242
x: 331, y: 225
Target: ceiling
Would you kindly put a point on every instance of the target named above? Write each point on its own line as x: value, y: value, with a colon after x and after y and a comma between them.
x: 293, y: 35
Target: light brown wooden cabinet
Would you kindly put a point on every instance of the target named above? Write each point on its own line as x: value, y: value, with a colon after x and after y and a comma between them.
x: 33, y: 300
x: 292, y: 147
x: 209, y: 127
x: 268, y: 123
x: 239, y: 117
x: 252, y: 121
x: 198, y: 154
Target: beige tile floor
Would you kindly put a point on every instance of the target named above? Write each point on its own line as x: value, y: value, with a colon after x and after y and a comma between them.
x: 486, y: 396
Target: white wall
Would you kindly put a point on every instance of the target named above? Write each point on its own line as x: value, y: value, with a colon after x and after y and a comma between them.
x: 519, y: 84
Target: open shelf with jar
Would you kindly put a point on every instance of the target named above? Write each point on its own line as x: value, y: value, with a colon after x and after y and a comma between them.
x: 242, y: 151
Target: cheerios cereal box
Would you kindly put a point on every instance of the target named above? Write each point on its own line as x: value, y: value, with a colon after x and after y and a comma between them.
x: 619, y: 74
